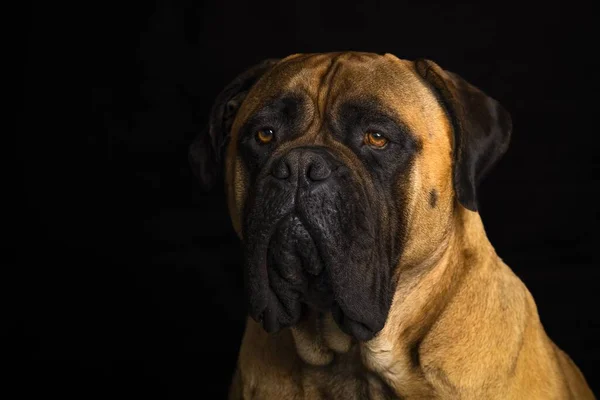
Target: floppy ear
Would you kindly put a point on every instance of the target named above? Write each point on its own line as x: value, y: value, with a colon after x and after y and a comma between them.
x: 206, y: 152
x: 482, y: 128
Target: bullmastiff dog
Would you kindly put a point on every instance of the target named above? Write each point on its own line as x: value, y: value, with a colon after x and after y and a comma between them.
x: 351, y: 180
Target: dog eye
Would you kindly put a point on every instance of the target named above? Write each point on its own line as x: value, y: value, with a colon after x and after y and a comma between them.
x: 376, y: 140
x: 265, y: 136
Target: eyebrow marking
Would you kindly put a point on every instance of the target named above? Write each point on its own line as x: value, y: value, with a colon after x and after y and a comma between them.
x: 373, y: 111
x: 287, y: 106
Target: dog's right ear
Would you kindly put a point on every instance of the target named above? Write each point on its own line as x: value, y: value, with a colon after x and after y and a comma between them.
x: 482, y: 128
x: 206, y: 152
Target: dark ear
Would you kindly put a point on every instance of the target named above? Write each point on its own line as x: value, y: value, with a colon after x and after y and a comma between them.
x: 206, y: 152
x: 482, y: 128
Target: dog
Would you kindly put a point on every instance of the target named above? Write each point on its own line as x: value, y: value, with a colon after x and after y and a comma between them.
x: 351, y: 179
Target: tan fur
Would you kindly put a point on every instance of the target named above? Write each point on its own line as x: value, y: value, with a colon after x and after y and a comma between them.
x: 461, y: 325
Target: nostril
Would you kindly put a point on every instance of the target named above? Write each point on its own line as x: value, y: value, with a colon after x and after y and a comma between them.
x: 281, y: 170
x: 318, y: 171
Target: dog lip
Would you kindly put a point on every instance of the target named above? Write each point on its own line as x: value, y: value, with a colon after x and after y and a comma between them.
x: 258, y: 310
x: 269, y: 320
x: 352, y: 327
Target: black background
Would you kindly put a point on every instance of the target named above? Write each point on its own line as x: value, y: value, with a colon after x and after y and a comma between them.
x: 127, y: 276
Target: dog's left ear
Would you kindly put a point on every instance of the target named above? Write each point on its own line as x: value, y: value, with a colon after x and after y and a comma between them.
x: 482, y: 128
x: 206, y: 152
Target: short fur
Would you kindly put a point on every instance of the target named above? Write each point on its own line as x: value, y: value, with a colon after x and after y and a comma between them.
x: 369, y: 273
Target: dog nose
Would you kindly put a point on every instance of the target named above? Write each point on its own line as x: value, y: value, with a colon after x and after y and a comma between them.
x: 305, y: 165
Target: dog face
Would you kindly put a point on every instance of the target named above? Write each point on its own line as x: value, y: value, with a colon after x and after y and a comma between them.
x: 343, y: 170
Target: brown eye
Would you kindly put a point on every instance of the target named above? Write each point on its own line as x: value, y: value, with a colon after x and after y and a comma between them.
x: 264, y: 136
x: 375, y: 140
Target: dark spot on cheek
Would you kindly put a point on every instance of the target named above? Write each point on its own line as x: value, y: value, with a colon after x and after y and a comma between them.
x: 415, y: 357
x: 433, y: 196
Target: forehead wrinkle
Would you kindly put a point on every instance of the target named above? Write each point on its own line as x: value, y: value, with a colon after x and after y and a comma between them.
x: 329, y: 87
x: 304, y: 71
x: 326, y: 84
x: 315, y: 80
x: 321, y: 84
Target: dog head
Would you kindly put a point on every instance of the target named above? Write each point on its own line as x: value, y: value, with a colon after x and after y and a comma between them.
x: 342, y: 169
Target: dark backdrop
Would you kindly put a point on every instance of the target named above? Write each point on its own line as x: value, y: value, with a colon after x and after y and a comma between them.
x: 127, y: 276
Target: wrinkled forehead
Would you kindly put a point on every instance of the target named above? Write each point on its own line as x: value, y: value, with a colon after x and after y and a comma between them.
x: 328, y: 81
